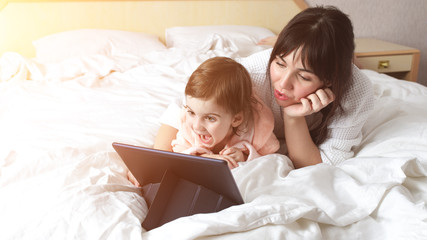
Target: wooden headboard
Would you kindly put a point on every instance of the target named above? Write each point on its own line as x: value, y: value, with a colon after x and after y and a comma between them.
x: 23, y: 21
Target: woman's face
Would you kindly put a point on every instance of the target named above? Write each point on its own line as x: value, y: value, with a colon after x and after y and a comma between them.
x: 291, y: 81
x: 211, y: 124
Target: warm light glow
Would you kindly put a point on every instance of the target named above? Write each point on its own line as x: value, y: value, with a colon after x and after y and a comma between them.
x: 23, y: 21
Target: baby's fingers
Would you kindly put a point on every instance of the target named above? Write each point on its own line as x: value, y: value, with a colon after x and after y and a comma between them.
x: 133, y: 180
x: 227, y: 151
x: 231, y: 163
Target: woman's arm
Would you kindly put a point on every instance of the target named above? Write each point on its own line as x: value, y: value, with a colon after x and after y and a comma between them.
x: 301, y: 148
x: 270, y: 41
x: 164, y: 137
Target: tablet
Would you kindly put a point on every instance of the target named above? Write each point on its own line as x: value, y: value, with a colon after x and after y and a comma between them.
x: 177, y: 185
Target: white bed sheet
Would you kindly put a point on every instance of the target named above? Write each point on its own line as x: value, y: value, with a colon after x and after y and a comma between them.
x: 61, y: 179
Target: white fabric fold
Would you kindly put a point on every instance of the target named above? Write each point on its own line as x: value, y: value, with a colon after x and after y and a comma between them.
x: 61, y: 179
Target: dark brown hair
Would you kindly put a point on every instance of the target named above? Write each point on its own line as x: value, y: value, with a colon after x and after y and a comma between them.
x: 326, y: 40
x: 228, y: 82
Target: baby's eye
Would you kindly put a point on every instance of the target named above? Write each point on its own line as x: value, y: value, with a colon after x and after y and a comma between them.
x: 211, y: 119
x: 189, y: 112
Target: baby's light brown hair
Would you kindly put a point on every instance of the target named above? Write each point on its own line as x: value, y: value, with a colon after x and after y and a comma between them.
x: 228, y: 82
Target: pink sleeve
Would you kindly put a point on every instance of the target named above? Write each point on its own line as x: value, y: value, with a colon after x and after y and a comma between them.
x: 264, y: 140
x: 259, y: 139
x: 183, y: 140
x: 180, y: 144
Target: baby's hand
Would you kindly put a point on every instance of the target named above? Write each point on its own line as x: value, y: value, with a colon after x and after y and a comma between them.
x: 234, y: 155
x: 199, y: 151
x: 133, y: 180
x: 230, y: 162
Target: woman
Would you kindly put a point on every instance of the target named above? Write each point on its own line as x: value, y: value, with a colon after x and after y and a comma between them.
x: 319, y: 99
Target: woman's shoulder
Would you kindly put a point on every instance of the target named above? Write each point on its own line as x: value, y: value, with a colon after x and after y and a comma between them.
x: 257, y: 62
x: 345, y: 128
x: 360, y: 80
x: 361, y: 89
x: 359, y: 98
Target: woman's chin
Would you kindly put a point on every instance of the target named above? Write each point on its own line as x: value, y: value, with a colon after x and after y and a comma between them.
x: 286, y: 103
x: 282, y: 103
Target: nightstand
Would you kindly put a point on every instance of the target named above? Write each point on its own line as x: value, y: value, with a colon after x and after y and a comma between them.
x: 395, y: 60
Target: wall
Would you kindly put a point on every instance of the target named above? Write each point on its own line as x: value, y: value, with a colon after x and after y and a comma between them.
x: 22, y: 21
x: 401, y: 22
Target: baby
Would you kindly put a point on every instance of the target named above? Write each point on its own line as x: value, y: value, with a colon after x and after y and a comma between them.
x: 222, y: 117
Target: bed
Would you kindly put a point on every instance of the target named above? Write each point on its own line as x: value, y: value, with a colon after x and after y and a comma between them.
x: 71, y: 86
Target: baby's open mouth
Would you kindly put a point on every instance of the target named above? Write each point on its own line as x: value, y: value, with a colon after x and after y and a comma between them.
x: 206, y: 139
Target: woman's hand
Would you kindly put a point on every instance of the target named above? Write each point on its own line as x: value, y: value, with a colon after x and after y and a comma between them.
x: 301, y: 149
x: 310, y: 104
x: 270, y: 41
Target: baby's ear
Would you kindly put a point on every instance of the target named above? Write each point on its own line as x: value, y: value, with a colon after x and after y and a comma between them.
x: 237, y: 120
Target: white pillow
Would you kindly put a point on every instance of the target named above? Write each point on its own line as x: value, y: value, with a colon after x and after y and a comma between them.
x: 83, y: 42
x: 244, y: 37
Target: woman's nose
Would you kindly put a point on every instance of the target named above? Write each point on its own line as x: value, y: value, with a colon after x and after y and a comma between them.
x: 286, y: 82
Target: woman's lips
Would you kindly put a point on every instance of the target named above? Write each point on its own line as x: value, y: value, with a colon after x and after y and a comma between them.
x: 280, y: 96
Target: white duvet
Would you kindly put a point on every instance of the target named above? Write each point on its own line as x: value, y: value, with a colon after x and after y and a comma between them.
x: 61, y: 179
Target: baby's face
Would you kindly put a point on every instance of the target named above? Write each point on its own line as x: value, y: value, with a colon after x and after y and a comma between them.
x: 210, y: 123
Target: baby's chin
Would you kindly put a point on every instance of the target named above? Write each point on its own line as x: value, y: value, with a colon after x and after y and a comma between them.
x: 205, y: 141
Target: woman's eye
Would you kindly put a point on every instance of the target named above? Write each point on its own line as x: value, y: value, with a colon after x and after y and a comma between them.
x: 280, y: 64
x: 279, y: 61
x: 304, y: 78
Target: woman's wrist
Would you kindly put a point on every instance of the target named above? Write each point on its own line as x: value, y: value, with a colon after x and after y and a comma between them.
x: 301, y: 149
x: 289, y: 118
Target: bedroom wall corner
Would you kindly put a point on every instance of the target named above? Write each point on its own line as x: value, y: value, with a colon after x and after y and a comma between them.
x: 401, y: 22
